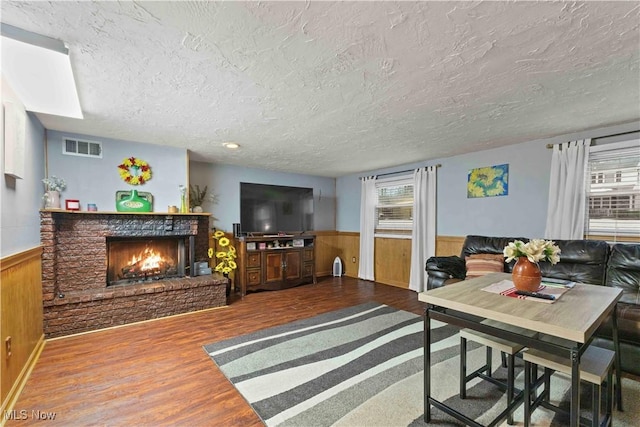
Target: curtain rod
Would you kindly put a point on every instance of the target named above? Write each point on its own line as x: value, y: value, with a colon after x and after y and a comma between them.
x: 404, y: 171
x: 600, y: 137
x: 551, y: 145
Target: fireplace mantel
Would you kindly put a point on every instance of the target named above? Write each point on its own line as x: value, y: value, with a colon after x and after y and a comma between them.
x: 62, y: 211
x: 74, y: 274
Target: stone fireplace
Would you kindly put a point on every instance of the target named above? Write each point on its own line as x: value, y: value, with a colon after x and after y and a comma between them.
x: 107, y: 269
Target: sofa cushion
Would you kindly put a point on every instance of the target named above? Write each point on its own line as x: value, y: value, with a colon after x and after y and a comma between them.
x: 474, y: 245
x: 623, y: 271
x: 481, y: 264
x: 582, y: 261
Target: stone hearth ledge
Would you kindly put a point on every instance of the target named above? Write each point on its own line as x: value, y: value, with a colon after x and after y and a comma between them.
x: 142, y: 288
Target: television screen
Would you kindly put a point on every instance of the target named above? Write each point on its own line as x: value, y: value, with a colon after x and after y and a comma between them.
x: 270, y: 209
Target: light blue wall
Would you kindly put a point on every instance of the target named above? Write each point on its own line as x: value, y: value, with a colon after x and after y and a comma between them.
x: 20, y: 199
x: 224, y: 181
x: 521, y: 213
x: 96, y: 180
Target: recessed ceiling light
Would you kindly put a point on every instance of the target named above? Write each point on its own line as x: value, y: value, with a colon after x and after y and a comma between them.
x: 231, y: 145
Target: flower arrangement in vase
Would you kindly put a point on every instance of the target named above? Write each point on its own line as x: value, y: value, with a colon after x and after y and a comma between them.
x: 226, y: 255
x: 53, y: 187
x: 196, y: 197
x: 526, y: 274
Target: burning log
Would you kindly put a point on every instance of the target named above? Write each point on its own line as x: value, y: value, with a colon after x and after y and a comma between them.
x: 148, y: 264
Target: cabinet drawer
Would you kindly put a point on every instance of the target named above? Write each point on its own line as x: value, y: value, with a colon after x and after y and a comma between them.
x: 307, y: 255
x: 307, y: 269
x: 253, y: 277
x: 253, y: 260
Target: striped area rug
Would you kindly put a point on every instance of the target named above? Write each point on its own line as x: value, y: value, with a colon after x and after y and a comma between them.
x: 360, y: 366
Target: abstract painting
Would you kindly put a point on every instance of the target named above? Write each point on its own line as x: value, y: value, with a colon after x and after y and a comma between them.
x: 488, y: 181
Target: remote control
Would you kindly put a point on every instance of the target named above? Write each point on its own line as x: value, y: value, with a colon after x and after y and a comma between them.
x: 536, y: 295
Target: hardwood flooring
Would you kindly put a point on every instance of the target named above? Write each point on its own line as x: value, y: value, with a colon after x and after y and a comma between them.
x: 156, y: 373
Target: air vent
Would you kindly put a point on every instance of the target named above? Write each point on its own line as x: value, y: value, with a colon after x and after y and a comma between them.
x: 78, y: 147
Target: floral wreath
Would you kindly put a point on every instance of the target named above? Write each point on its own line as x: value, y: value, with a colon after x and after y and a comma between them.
x: 142, y: 171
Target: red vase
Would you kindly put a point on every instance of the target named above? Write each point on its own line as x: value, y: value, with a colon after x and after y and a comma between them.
x: 526, y: 275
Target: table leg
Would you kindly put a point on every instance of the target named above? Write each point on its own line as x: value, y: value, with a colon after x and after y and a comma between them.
x: 618, y: 362
x: 575, y: 388
x: 427, y: 366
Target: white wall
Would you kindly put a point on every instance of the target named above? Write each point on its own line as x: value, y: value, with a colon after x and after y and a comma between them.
x: 20, y: 199
x: 521, y: 213
x: 96, y: 180
x: 224, y: 180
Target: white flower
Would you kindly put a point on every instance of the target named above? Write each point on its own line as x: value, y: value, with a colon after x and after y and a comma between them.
x: 54, y: 183
x: 513, y: 250
x: 535, y: 250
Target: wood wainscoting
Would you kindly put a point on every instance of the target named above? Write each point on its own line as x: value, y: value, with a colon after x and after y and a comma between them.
x: 21, y: 316
x: 392, y: 256
x: 332, y: 244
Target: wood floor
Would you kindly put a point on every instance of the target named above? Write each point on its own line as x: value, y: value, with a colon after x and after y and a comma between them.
x: 156, y: 373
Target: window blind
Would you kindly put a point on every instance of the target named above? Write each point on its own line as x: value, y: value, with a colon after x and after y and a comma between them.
x: 613, y: 183
x: 394, y: 209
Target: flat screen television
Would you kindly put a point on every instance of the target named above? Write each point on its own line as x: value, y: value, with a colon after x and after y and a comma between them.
x: 270, y: 209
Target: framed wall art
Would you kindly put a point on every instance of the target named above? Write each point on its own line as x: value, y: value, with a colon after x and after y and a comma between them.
x: 488, y: 181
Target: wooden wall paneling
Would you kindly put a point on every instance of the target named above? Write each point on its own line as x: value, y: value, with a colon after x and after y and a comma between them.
x: 449, y: 245
x: 349, y: 249
x: 393, y: 261
x: 346, y: 245
x: 327, y: 249
x: 21, y: 317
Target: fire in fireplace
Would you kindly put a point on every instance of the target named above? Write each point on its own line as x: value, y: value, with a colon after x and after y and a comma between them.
x: 138, y: 259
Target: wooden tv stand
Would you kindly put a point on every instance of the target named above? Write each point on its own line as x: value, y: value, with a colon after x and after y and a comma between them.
x: 275, y: 262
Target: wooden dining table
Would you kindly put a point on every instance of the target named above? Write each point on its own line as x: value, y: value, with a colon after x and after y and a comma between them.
x: 565, y: 327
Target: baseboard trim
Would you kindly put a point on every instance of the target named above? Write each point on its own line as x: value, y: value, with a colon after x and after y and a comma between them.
x: 21, y: 381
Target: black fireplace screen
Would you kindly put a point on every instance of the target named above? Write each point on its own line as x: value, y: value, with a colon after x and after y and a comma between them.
x: 133, y: 260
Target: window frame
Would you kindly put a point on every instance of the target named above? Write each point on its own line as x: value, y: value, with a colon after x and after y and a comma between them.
x: 393, y: 233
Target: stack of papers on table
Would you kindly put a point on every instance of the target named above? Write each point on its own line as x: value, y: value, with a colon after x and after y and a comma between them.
x: 506, y: 288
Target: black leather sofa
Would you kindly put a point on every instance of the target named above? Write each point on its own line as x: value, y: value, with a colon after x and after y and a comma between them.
x: 585, y: 261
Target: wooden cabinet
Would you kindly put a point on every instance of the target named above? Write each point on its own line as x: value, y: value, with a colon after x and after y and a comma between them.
x: 275, y: 262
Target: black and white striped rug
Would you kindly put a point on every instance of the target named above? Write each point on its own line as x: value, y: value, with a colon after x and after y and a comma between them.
x: 360, y: 366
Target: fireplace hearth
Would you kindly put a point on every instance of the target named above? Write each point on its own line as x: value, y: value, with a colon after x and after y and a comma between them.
x: 104, y: 269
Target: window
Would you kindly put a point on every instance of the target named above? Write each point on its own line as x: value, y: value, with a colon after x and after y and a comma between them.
x: 614, y: 202
x: 394, y: 209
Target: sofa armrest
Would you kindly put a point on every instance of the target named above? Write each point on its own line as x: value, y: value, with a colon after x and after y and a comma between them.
x: 440, y: 269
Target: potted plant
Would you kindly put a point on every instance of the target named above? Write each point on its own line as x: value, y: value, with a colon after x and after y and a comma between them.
x: 53, y: 187
x: 196, y: 197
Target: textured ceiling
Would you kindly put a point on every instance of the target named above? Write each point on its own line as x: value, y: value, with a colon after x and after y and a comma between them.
x: 332, y: 88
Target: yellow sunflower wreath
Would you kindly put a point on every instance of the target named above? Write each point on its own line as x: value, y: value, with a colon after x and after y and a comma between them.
x: 134, y: 171
x: 226, y: 257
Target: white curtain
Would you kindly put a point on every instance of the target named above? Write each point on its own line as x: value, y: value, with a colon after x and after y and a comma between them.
x: 566, y: 209
x: 423, y: 236
x: 368, y: 197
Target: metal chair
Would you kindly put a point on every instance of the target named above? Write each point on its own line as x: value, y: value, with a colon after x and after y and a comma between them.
x: 596, y: 365
x: 506, y: 347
